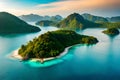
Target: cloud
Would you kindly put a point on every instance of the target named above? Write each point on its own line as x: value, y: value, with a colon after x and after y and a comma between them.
x: 82, y: 4
x: 69, y: 6
x: 66, y: 7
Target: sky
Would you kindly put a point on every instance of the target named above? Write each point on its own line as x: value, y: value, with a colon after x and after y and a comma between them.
x: 106, y: 8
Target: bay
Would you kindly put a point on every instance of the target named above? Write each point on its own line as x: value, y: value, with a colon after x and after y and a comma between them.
x: 96, y: 62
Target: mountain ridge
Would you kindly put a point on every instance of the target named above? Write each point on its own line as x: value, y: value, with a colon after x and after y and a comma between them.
x: 12, y: 24
x: 75, y: 21
x: 36, y: 18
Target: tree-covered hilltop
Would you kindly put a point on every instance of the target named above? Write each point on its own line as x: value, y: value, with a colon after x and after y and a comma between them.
x: 11, y: 24
x: 75, y: 21
x: 51, y: 44
x: 45, y: 23
x: 93, y: 18
x: 111, y: 31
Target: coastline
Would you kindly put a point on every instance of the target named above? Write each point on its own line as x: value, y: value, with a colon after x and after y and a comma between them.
x: 17, y: 56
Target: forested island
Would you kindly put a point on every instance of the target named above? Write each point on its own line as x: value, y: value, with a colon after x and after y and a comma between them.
x: 12, y: 24
x: 76, y: 21
x: 111, y: 31
x: 51, y: 44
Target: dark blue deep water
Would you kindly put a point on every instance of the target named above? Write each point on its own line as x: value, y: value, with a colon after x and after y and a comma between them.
x: 97, y: 62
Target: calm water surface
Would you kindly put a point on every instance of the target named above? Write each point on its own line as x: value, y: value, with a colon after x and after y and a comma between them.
x: 97, y: 62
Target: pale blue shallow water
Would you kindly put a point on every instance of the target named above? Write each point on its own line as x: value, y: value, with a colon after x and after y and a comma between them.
x: 97, y: 62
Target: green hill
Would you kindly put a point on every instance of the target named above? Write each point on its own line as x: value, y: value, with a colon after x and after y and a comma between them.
x: 75, y: 21
x: 111, y: 31
x: 11, y: 24
x: 51, y: 44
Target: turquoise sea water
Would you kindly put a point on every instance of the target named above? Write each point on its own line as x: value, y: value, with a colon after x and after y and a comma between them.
x: 97, y: 62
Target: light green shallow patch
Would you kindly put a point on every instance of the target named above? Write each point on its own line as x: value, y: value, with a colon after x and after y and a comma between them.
x: 48, y: 63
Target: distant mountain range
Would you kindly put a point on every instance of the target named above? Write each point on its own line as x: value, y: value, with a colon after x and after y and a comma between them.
x: 12, y: 24
x: 100, y: 19
x: 36, y: 18
x: 87, y: 16
x: 75, y: 21
x: 114, y: 19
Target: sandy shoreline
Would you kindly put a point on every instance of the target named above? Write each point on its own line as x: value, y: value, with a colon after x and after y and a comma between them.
x: 17, y: 56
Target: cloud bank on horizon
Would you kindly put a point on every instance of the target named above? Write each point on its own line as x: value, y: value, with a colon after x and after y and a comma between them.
x: 62, y: 7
